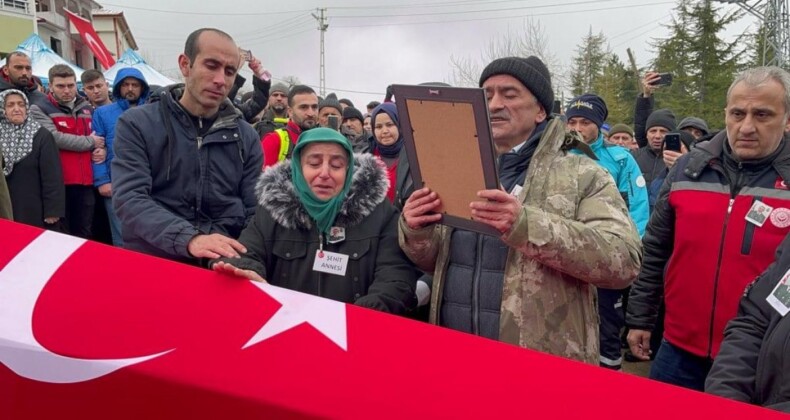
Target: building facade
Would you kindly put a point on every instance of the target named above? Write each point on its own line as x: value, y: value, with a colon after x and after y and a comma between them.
x: 20, y: 18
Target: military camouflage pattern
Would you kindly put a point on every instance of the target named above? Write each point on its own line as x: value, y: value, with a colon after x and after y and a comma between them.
x: 574, y: 233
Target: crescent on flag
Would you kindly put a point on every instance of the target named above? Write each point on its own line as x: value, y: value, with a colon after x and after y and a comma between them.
x: 21, y: 283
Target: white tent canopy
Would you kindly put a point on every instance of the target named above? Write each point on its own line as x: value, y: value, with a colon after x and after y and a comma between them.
x: 130, y: 58
x: 42, y: 58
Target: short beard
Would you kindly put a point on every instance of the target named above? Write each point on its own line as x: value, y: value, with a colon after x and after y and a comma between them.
x: 306, y: 127
x: 279, y: 110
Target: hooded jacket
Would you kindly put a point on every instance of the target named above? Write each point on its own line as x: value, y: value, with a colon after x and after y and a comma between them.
x: 572, y: 235
x: 171, y: 184
x: 282, y: 241
x: 105, y: 117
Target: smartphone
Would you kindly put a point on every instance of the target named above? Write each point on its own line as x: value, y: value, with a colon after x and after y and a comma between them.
x: 334, y: 122
x: 672, y: 142
x: 664, y: 79
x: 246, y: 55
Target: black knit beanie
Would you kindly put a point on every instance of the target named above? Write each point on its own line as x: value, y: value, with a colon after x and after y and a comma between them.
x: 662, y: 118
x: 350, y: 113
x: 530, y: 71
x: 589, y: 106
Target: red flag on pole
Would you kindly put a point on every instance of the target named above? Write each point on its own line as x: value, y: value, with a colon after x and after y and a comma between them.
x: 91, y: 39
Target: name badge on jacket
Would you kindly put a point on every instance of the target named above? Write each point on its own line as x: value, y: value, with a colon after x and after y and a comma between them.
x: 330, y: 263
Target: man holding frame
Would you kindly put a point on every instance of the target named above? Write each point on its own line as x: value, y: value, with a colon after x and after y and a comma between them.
x: 564, y: 230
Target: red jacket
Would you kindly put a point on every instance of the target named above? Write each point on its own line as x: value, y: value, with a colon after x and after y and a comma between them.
x: 700, y: 251
x: 270, y: 143
x: 77, y: 166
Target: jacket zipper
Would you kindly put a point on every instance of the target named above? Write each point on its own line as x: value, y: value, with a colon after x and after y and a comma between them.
x: 748, y: 234
x: 199, y: 190
x: 716, y: 279
x: 476, y: 286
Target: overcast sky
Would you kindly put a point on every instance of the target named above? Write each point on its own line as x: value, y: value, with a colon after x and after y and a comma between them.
x: 370, y: 43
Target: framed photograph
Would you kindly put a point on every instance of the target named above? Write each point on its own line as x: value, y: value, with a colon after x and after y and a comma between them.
x: 450, y: 149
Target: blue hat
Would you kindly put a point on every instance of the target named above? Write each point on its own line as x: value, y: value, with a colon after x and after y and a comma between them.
x: 589, y: 106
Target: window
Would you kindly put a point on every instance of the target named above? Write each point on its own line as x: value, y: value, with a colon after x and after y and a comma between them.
x: 78, y: 58
x: 42, y: 6
x: 19, y: 5
x: 56, y: 46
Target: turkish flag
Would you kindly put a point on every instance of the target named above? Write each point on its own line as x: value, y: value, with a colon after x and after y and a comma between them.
x: 89, y: 331
x: 91, y: 39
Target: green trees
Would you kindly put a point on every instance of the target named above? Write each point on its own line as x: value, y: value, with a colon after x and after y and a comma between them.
x: 597, y: 70
x: 702, y: 63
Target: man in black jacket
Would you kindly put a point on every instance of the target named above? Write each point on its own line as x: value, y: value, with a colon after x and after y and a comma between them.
x: 185, y: 167
x: 18, y: 74
x: 750, y: 364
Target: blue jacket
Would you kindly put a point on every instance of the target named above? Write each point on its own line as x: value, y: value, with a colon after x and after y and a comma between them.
x: 626, y: 173
x: 168, y: 188
x: 105, y: 117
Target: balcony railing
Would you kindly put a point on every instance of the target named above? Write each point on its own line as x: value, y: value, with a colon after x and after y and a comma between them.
x: 16, y: 6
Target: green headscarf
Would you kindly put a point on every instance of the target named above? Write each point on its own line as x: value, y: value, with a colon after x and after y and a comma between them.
x: 323, y: 212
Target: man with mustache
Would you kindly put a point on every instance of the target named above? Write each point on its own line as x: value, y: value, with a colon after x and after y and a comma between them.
x: 129, y: 90
x: 185, y: 167
x: 564, y: 230
x: 303, y: 115
x: 18, y: 74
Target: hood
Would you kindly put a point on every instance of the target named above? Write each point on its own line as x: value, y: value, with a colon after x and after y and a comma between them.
x: 130, y: 72
x: 277, y: 194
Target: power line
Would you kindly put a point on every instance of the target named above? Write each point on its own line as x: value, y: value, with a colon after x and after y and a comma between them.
x: 182, y: 12
x: 508, y: 9
x: 503, y: 17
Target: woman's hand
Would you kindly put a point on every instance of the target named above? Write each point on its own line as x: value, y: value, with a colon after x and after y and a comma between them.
x: 230, y: 269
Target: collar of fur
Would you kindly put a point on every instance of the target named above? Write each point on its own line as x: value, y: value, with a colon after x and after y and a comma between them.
x: 276, y: 194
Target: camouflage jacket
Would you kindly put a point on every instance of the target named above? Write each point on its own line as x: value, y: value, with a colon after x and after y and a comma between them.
x: 573, y: 234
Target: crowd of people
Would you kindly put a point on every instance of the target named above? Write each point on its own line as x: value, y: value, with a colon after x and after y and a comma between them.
x: 656, y: 241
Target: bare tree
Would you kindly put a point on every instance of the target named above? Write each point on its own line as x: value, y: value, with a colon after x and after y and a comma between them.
x: 531, y: 39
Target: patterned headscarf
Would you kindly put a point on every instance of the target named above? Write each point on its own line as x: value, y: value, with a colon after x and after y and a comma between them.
x: 16, y: 141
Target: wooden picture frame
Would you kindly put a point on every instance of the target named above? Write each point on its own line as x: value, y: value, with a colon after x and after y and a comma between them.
x: 450, y: 148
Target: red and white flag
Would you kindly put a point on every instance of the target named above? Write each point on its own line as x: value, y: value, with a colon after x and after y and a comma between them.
x: 91, y: 39
x: 93, y: 332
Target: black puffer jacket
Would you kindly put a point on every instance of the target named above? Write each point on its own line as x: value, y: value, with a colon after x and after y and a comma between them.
x: 753, y: 360
x: 282, y: 241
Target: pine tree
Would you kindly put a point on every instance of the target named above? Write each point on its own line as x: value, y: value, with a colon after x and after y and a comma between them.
x: 702, y: 63
x: 589, y: 63
x: 612, y: 85
x: 758, y: 50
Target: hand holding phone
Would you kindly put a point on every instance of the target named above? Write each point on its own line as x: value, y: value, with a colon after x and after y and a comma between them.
x: 664, y: 79
x: 672, y: 142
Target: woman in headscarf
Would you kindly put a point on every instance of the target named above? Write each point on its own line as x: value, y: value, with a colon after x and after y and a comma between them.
x: 388, y: 145
x: 31, y: 165
x: 324, y: 227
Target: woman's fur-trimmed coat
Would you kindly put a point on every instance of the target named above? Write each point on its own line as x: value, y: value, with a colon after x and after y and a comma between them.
x: 282, y: 241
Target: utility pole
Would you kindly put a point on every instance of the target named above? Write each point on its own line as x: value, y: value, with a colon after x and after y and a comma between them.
x: 322, y: 26
x: 776, y: 20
